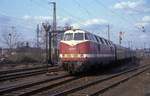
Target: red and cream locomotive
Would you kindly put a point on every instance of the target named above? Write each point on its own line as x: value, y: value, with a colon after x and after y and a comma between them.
x: 80, y: 50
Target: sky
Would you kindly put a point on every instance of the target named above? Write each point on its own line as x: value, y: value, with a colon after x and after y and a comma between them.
x: 128, y: 16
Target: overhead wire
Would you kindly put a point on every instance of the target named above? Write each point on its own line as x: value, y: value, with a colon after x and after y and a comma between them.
x: 38, y: 4
x: 29, y: 28
x: 83, y: 8
x: 122, y: 18
x: 131, y: 16
x: 21, y: 20
x: 132, y: 21
x: 64, y: 12
x: 78, y: 19
x: 16, y: 18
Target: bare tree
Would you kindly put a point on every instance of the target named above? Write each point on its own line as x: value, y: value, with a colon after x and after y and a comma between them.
x: 42, y: 37
x: 10, y: 38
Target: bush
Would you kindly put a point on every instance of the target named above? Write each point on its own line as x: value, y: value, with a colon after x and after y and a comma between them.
x: 6, y: 61
x: 27, y: 59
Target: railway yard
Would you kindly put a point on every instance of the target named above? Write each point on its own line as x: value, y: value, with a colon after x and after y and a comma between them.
x: 124, y: 80
x: 74, y: 48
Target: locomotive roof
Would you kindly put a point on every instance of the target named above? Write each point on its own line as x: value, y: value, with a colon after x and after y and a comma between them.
x: 82, y: 31
x: 76, y: 31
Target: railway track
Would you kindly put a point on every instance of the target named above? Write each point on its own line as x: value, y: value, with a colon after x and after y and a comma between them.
x: 20, y: 73
x: 58, y: 86
x: 35, y: 87
x: 19, y: 70
x: 99, y: 86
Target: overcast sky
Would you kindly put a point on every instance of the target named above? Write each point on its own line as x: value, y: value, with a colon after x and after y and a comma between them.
x: 127, y: 16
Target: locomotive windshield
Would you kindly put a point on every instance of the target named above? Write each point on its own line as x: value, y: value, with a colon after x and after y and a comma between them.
x: 68, y: 36
x: 73, y: 36
x: 78, y: 36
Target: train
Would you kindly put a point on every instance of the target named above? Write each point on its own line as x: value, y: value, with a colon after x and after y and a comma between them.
x: 81, y: 50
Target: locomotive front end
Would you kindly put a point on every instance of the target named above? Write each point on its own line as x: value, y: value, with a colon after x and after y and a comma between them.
x: 73, y: 49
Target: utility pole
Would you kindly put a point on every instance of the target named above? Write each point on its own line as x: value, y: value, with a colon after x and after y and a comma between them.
x: 144, y: 45
x: 46, y: 27
x: 49, y: 51
x: 46, y: 50
x: 143, y: 29
x: 11, y: 38
x: 120, y: 37
x: 54, y: 16
x: 129, y: 44
x: 10, y: 44
x: 54, y: 38
x: 108, y: 32
x: 38, y: 31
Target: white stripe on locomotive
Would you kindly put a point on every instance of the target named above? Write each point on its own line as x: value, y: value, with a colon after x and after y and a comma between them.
x: 85, y: 55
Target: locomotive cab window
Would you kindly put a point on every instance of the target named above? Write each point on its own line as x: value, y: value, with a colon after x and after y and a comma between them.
x: 87, y: 36
x: 109, y: 43
x: 78, y: 36
x: 106, y: 42
x: 68, y: 36
x: 97, y: 39
x: 101, y: 40
x: 94, y: 38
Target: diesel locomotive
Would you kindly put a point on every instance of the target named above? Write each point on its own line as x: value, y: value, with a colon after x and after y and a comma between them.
x: 80, y: 50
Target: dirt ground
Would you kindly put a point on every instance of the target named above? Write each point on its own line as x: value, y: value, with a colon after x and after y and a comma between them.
x: 5, y: 67
x: 138, y: 86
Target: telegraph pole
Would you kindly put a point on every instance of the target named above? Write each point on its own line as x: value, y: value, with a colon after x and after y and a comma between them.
x: 129, y: 44
x: 49, y: 51
x: 144, y: 45
x: 46, y: 27
x: 54, y: 16
x: 120, y: 37
x: 10, y: 45
x: 38, y: 31
x: 54, y: 39
x: 143, y: 29
x: 11, y: 38
x: 108, y: 32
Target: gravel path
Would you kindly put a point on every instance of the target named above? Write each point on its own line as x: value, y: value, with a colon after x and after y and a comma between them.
x: 138, y: 86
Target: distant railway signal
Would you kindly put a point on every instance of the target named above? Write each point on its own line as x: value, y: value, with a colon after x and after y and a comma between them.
x: 143, y: 29
x: 120, y: 36
x: 47, y: 27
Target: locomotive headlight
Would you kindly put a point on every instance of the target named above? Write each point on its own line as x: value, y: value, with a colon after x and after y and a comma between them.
x: 84, y: 56
x: 60, y: 56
